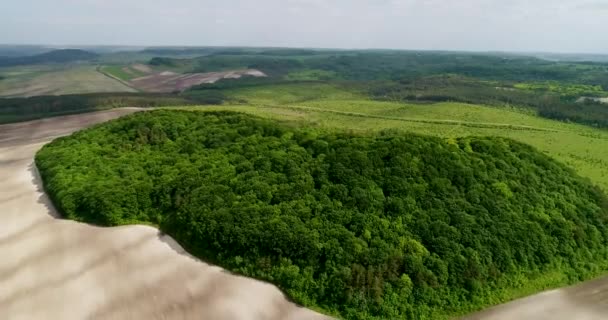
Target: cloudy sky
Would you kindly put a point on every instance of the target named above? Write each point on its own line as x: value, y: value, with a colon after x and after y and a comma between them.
x: 480, y: 25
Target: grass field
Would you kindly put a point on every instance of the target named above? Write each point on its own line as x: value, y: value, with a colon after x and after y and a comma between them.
x: 122, y: 72
x: 51, y: 80
x: 583, y: 148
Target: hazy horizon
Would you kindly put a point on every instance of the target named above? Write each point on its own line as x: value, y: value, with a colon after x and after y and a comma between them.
x: 470, y: 25
x: 127, y: 47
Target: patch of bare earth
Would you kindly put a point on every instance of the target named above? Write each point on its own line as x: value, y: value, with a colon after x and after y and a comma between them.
x: 583, y: 99
x: 128, y: 71
x: 59, y: 269
x: 171, y: 82
x: 142, y: 68
x: 588, y: 301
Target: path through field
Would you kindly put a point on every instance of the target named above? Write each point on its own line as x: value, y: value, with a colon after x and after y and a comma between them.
x: 59, y: 269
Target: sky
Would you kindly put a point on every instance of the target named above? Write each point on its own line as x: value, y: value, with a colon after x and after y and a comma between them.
x: 579, y: 26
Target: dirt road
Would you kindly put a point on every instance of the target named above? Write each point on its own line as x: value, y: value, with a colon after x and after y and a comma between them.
x: 59, y: 269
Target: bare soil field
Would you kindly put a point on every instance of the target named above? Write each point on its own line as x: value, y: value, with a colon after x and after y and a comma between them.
x: 168, y: 81
x: 70, y: 80
x: 142, y: 68
x: 586, y: 301
x: 59, y: 269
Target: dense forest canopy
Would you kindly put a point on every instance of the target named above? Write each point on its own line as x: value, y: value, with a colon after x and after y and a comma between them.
x: 387, y: 226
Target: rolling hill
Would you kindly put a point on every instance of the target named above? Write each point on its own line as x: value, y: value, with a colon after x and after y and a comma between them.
x: 55, y: 56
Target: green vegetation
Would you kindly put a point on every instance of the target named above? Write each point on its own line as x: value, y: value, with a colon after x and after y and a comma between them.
x: 552, y: 89
x: 117, y: 72
x: 397, y: 65
x: 572, y: 91
x: 551, y: 101
x: 334, y: 106
x: 124, y: 73
x: 7, y: 50
x: 362, y: 226
x: 310, y: 75
x: 23, y: 109
x: 172, y: 63
x: 169, y: 62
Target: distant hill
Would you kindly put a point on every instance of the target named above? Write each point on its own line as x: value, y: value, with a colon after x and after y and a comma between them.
x: 21, y: 50
x: 573, y: 57
x: 55, y: 56
x: 179, y: 51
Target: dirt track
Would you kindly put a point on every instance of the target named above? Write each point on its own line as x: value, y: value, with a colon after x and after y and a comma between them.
x: 58, y: 269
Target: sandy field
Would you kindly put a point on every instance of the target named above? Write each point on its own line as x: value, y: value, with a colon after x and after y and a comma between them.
x: 171, y: 82
x: 586, y: 301
x: 58, y: 269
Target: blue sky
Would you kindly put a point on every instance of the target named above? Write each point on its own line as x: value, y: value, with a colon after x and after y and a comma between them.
x: 480, y: 25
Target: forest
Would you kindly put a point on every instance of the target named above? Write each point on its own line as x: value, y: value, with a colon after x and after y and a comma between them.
x: 54, y: 56
x: 390, y: 225
x: 552, y: 89
x: 553, y: 101
x: 23, y: 109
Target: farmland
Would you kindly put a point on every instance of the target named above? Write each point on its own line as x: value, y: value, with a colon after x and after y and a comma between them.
x: 124, y: 73
x: 151, y: 78
x: 167, y: 81
x: 37, y: 80
x: 56, y: 80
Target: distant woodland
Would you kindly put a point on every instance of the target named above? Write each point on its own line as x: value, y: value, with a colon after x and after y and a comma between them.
x: 54, y: 56
x: 552, y: 89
